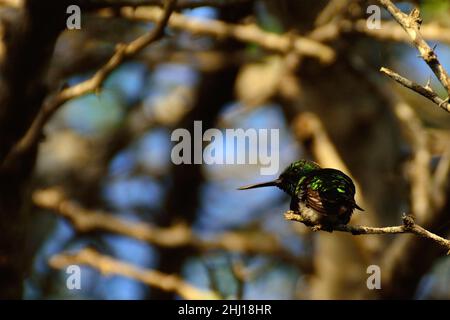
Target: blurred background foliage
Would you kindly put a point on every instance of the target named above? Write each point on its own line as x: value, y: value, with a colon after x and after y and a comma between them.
x: 111, y: 150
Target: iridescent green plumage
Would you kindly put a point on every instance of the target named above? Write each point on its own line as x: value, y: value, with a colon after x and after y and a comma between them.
x: 323, y: 196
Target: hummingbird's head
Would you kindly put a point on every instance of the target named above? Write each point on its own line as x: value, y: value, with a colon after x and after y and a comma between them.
x: 294, y: 174
x: 289, y: 178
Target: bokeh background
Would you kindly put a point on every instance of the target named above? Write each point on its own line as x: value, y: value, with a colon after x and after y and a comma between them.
x: 109, y: 152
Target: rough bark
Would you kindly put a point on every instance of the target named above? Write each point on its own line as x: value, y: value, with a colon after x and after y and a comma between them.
x: 29, y: 41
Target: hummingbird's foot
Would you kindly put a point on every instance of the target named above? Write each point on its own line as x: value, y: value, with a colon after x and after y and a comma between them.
x: 321, y: 227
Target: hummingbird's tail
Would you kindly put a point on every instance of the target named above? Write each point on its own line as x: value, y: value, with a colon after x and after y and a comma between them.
x: 273, y: 183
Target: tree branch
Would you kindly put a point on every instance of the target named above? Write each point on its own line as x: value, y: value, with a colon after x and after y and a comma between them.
x: 182, y: 4
x: 122, y: 53
x: 179, y: 235
x: 390, y: 31
x: 409, y: 226
x: 246, y: 33
x: 153, y: 278
x: 425, y: 91
x: 411, y: 24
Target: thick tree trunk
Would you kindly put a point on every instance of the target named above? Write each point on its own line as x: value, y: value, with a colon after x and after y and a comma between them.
x: 29, y: 41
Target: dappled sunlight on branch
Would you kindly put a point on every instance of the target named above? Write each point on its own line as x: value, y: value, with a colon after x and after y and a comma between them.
x: 108, y: 266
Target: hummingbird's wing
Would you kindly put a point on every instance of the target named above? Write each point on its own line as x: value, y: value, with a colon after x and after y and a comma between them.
x: 328, y: 191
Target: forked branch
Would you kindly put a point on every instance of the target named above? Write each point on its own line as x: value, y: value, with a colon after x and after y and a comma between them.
x: 411, y: 24
x: 409, y: 226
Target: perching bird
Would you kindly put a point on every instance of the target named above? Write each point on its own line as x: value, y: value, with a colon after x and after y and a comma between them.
x: 324, y: 197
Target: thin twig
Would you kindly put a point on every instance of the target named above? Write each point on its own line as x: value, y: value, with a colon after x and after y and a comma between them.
x: 425, y: 91
x: 240, y: 274
x: 332, y: 9
x: 247, y: 33
x: 212, y: 277
x: 12, y: 3
x: 441, y: 179
x: 409, y: 226
x: 389, y: 31
x: 153, y: 278
x: 411, y: 24
x: 93, y: 84
x: 182, y: 4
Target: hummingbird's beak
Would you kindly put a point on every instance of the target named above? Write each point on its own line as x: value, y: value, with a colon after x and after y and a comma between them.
x: 273, y: 183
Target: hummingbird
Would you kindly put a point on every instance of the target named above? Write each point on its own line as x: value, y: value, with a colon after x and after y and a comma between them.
x: 322, y: 196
